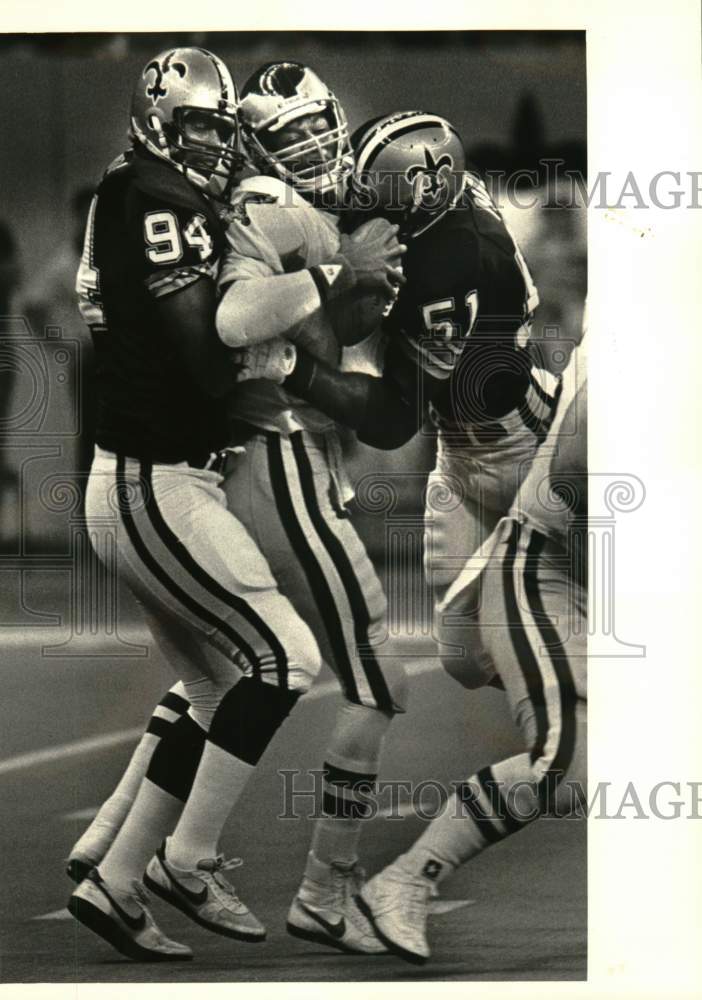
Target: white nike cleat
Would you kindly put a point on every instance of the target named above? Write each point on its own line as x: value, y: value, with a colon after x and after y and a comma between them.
x: 397, y: 905
x: 124, y: 921
x: 204, y: 895
x: 324, y: 909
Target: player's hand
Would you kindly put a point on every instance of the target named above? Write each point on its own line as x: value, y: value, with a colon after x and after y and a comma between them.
x: 272, y: 359
x: 375, y: 253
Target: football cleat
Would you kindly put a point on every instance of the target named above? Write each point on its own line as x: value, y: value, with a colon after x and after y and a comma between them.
x: 124, y: 921
x: 397, y: 905
x: 324, y: 909
x: 204, y: 895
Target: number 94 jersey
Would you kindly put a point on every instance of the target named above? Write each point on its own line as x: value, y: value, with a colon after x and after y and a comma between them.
x: 150, y: 233
x: 464, y: 314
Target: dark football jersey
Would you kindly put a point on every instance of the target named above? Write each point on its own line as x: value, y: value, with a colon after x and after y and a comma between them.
x: 464, y: 313
x: 150, y: 233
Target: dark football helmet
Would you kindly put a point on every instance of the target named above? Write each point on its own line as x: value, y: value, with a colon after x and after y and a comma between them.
x: 410, y: 167
x: 272, y: 99
x: 184, y: 110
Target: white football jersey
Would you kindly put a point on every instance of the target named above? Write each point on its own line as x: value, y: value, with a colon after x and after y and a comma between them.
x: 273, y: 230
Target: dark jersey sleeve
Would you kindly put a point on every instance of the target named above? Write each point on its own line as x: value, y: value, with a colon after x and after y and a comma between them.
x: 174, y: 243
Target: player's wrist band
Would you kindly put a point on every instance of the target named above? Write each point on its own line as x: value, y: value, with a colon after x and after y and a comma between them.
x: 334, y: 278
x: 302, y: 376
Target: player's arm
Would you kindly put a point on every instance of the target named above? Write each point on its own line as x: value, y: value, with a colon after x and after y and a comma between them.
x: 253, y: 310
x: 176, y: 246
x: 188, y: 319
x: 258, y: 304
x: 385, y: 412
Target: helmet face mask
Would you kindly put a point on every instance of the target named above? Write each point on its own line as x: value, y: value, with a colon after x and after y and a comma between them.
x: 294, y: 127
x: 191, y: 138
x: 184, y: 110
x: 410, y: 168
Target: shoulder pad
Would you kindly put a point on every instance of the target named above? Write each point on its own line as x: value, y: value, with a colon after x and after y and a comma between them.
x: 271, y: 188
x: 157, y: 179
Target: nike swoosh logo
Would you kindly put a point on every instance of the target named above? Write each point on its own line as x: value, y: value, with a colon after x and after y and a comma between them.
x: 336, y: 930
x: 136, y: 923
x: 196, y: 897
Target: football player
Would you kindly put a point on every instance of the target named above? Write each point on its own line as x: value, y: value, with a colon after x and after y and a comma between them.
x: 533, y: 621
x: 457, y: 345
x: 457, y: 348
x: 186, y: 870
x: 286, y: 266
x: 155, y: 508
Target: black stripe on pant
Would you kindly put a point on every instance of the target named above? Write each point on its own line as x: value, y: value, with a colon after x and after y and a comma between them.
x: 154, y: 567
x: 238, y: 604
x: 349, y: 580
x: 561, y: 666
x: 522, y: 648
x: 530, y: 667
x: 312, y: 569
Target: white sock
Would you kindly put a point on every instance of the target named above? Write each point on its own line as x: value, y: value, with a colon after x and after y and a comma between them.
x: 97, y: 838
x: 479, y: 814
x: 220, y: 780
x: 150, y: 820
x: 351, y: 769
x: 95, y: 841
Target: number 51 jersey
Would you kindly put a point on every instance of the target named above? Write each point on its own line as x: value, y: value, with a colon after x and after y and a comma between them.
x: 465, y: 314
x: 150, y: 233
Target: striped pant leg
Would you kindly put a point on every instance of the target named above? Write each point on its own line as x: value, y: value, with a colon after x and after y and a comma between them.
x: 192, y: 563
x: 456, y: 523
x: 282, y: 490
x: 533, y: 623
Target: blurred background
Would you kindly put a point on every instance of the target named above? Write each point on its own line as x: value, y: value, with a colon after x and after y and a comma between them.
x: 517, y: 98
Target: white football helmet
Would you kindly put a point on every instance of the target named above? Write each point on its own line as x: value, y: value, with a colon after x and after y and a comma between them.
x: 274, y: 97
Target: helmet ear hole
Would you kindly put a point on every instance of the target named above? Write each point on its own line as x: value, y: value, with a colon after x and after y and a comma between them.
x: 160, y: 133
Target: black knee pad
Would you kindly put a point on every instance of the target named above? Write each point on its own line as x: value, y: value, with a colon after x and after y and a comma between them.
x: 248, y: 718
x: 176, y: 758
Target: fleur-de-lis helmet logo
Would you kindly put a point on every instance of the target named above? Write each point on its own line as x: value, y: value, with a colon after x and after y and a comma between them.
x: 159, y: 87
x: 430, y: 180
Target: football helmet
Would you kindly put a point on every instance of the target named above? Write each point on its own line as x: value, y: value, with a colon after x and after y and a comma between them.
x: 184, y: 110
x: 410, y: 167
x: 273, y: 98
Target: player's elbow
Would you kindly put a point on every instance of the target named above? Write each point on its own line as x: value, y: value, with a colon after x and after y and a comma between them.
x: 233, y: 319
